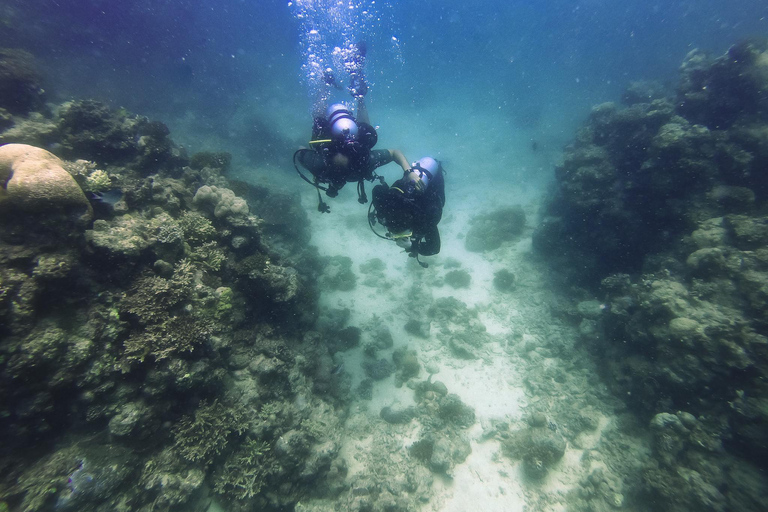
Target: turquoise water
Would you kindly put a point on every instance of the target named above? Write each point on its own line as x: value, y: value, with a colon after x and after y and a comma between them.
x: 181, y: 329
x: 214, y: 70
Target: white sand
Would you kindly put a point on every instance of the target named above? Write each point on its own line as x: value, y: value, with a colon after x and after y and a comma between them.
x: 491, y: 385
x: 485, y: 171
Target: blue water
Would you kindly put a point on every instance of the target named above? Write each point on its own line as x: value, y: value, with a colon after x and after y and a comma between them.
x: 232, y: 75
x: 495, y: 90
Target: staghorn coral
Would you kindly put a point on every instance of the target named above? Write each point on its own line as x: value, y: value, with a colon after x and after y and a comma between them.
x: 164, y: 328
x: 173, y: 337
x: 196, y: 228
x: 209, y: 255
x: 152, y: 298
x: 244, y: 473
x: 206, y: 434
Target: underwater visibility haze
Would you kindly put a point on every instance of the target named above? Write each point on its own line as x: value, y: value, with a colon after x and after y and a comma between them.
x: 526, y: 268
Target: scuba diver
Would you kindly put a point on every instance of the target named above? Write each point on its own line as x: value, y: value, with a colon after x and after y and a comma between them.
x: 341, y: 150
x: 411, y: 208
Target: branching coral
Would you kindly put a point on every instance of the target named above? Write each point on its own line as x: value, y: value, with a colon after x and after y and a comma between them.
x: 244, y: 473
x: 200, y: 438
x: 152, y: 297
x: 173, y: 337
x: 167, y: 330
x: 210, y: 256
x: 197, y: 229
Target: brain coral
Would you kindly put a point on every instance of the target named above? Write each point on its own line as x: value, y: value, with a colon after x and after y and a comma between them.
x: 34, y: 181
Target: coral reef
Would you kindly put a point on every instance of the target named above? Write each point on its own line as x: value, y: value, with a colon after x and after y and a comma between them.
x: 539, y: 448
x: 459, y: 327
x: 488, y: 231
x: 659, y: 214
x: 118, y: 343
x: 458, y: 278
x: 35, y: 183
x: 20, y: 89
x: 504, y: 280
x: 338, y: 274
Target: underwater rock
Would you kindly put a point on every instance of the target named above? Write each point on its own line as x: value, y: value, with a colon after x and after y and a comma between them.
x: 343, y: 339
x: 733, y: 199
x: 92, y: 131
x: 35, y: 130
x: 373, y: 266
x: 381, y: 339
x: 168, y: 481
x: 221, y: 202
x: 460, y: 328
x: 338, y: 274
x: 591, y: 309
x: 292, y: 447
x: 643, y: 91
x: 435, y: 389
x: 602, y: 490
x: 721, y: 91
x: 504, y: 280
x: 397, y: 415
x: 488, y: 231
x: 418, y: 328
x: 378, y: 369
x: 214, y: 160
x: 407, y: 364
x: 441, y: 453
x: 365, y: 389
x: 539, y: 448
x: 458, y: 279
x: 455, y: 412
x: 20, y: 89
x: 747, y: 233
x: 132, y: 416
x: 34, y: 182
x: 78, y: 477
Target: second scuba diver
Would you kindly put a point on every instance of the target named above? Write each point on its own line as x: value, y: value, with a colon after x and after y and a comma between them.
x: 412, y: 208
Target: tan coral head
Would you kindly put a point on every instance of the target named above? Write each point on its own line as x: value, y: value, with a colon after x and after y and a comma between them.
x: 32, y: 180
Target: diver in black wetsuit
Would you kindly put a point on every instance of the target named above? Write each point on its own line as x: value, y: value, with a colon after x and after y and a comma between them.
x: 412, y: 208
x: 341, y: 150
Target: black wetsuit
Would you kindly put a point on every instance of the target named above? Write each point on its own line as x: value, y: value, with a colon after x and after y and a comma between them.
x: 362, y: 164
x: 401, y: 207
x: 363, y: 160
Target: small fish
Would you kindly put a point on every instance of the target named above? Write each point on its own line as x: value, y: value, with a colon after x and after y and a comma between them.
x: 110, y: 197
x: 337, y: 369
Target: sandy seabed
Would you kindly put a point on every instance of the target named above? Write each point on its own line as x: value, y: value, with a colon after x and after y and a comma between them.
x: 493, y: 384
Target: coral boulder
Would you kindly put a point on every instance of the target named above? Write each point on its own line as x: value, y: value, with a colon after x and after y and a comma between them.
x: 34, y: 182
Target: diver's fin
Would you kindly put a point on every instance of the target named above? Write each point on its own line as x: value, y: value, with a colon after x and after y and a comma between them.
x: 330, y: 79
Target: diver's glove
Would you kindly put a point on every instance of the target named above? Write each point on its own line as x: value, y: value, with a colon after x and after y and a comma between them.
x: 404, y: 242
